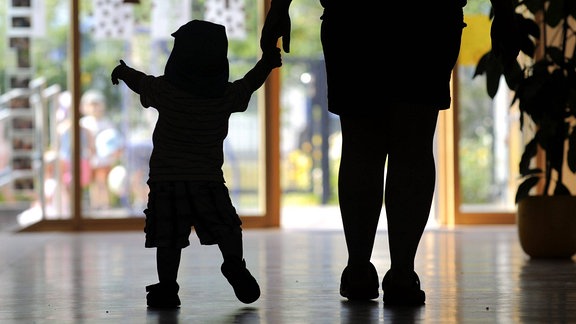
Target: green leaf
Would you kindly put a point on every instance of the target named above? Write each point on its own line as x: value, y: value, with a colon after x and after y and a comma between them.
x: 482, y: 65
x: 513, y: 75
x: 533, y: 5
x: 556, y: 55
x: 494, y: 71
x: 571, y: 9
x: 555, y: 13
x: 571, y: 154
x: 530, y: 31
x: 561, y: 190
x: 530, y: 151
x: 525, y: 187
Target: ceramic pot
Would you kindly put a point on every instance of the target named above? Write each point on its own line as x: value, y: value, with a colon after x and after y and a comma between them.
x: 547, y: 226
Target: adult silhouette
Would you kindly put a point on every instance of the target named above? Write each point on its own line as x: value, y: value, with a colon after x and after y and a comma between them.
x: 388, y: 76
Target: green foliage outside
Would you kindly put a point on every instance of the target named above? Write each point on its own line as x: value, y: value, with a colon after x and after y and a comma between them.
x: 50, y: 59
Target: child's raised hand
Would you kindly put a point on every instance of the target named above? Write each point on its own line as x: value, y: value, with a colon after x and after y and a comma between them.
x: 272, y: 57
x: 116, y: 72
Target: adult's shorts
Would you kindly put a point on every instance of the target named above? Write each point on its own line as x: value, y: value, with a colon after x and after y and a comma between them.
x: 402, y: 54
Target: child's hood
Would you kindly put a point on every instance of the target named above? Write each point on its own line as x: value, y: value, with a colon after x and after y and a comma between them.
x: 198, y: 62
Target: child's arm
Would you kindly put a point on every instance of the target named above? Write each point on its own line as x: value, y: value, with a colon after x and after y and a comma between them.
x: 129, y: 75
x: 270, y: 60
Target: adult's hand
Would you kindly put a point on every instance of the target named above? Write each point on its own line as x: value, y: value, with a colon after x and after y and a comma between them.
x: 277, y: 25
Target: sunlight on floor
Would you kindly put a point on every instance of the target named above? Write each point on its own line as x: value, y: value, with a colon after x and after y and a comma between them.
x: 324, y: 218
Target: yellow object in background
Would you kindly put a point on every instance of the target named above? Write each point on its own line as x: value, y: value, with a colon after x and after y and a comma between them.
x: 475, y: 39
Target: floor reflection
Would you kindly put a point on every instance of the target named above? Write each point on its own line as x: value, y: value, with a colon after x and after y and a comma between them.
x: 469, y: 275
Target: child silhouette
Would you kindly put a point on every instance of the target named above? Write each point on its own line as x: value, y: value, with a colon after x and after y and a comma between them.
x: 194, y: 100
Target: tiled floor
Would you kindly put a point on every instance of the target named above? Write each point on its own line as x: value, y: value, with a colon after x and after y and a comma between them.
x: 470, y: 274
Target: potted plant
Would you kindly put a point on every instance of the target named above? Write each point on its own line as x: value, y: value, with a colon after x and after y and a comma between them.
x: 543, y: 79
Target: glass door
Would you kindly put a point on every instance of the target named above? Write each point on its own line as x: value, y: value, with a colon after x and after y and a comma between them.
x: 486, y: 135
x: 78, y: 105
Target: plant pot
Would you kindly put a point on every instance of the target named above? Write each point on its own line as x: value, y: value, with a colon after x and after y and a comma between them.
x: 547, y: 226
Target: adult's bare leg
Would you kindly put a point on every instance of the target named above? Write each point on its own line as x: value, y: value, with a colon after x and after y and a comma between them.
x: 410, y: 183
x: 361, y: 184
x: 360, y: 188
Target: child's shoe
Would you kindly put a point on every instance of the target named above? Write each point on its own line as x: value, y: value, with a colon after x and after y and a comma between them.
x: 359, y: 282
x: 403, y: 294
x: 162, y: 295
x: 245, y: 286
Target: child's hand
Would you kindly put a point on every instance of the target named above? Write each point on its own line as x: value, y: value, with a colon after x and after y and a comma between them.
x: 116, y: 72
x: 272, y: 57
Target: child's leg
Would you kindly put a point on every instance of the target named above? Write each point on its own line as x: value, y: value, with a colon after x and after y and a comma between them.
x: 165, y: 293
x: 216, y: 222
x: 231, y: 246
x: 163, y: 234
x: 234, y: 268
x: 167, y: 264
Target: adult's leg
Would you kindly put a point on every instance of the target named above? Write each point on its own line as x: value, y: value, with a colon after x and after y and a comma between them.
x: 360, y: 184
x: 410, y: 182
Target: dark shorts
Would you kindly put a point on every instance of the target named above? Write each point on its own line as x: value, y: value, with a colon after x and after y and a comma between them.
x: 175, y: 207
x: 374, y: 61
